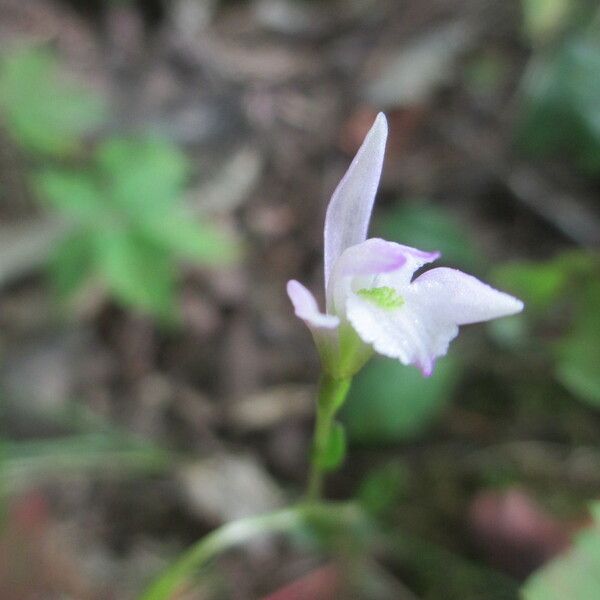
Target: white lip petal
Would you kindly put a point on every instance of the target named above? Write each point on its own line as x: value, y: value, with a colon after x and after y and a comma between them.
x: 349, y: 210
x: 306, y: 308
x: 459, y: 298
x: 406, y: 333
x: 436, y: 303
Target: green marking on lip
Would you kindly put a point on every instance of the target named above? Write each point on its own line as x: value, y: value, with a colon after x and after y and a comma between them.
x: 384, y: 297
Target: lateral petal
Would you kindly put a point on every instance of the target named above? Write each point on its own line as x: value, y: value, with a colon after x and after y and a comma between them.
x: 459, y: 298
x: 306, y: 308
x: 408, y: 333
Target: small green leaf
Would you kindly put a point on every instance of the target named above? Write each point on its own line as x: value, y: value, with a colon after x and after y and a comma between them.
x: 560, y: 109
x: 142, y: 176
x: 188, y: 238
x: 335, y: 451
x: 383, y: 487
x: 538, y: 284
x: 72, y: 264
x: 42, y: 112
x: 139, y: 273
x: 544, y: 17
x: 542, y: 284
x: 389, y: 402
x: 578, y: 353
x: 73, y: 194
x: 573, y: 575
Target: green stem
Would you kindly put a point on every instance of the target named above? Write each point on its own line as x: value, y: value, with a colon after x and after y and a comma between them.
x: 240, y: 531
x: 332, y: 393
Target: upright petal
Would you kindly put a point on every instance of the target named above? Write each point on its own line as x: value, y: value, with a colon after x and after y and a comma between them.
x: 349, y: 210
x: 459, y: 298
x: 306, y: 308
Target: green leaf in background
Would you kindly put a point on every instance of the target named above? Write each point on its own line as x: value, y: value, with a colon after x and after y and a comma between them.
x: 574, y: 575
x: 389, y: 402
x: 383, y: 487
x: 335, y: 451
x: 486, y: 72
x: 541, y: 284
x: 72, y: 265
x: 188, y: 238
x: 24, y: 462
x: 538, y: 284
x: 578, y: 353
x: 138, y: 272
x: 74, y: 194
x: 566, y: 288
x: 561, y: 102
x: 422, y: 562
x: 43, y: 113
x: 129, y: 224
x: 142, y: 175
x: 543, y: 18
x: 429, y: 227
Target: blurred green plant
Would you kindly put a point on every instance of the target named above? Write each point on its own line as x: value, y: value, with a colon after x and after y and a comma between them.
x: 383, y: 487
x: 42, y: 111
x: 425, y: 225
x: 560, y: 108
x: 390, y: 403
x: 486, y: 72
x: 434, y: 572
x: 563, y: 298
x: 544, y: 18
x: 24, y: 462
x: 128, y: 224
x: 573, y: 575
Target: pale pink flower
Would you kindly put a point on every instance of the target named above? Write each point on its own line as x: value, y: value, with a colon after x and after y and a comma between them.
x: 373, y: 303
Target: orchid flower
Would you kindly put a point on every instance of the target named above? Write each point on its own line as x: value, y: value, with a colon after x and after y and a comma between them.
x: 372, y: 301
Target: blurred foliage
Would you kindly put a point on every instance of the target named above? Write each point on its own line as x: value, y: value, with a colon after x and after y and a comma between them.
x: 560, y: 110
x: 77, y: 440
x: 573, y: 575
x: 578, y: 353
x: 383, y: 487
x: 44, y: 113
x: 429, y: 227
x: 434, y: 572
x: 129, y: 224
x: 389, y: 402
x: 334, y: 528
x: 562, y: 296
x: 24, y: 462
x: 544, y: 18
x: 485, y: 73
